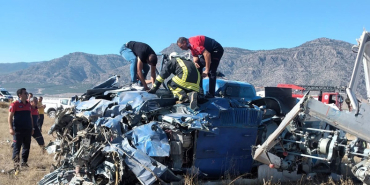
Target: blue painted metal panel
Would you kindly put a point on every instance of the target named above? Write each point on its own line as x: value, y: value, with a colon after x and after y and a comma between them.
x: 229, y: 150
x: 221, y: 114
x: 233, y: 89
x: 244, y: 117
x: 229, y: 142
x: 216, y: 154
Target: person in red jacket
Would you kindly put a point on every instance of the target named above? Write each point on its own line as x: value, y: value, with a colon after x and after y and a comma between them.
x: 21, y: 127
x: 206, y: 53
x: 35, y: 116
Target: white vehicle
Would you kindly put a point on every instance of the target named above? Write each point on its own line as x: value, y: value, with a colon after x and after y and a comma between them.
x: 52, y: 105
x: 5, y: 96
x: 65, y: 102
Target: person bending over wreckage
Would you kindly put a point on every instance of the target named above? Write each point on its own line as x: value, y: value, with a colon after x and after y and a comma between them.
x: 140, y: 55
x: 207, y: 54
x: 185, y: 84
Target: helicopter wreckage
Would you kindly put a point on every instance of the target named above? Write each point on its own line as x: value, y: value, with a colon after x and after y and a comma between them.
x: 122, y: 136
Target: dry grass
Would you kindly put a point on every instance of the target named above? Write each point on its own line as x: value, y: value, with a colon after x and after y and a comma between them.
x: 310, y: 181
x: 39, y: 163
x: 4, y: 105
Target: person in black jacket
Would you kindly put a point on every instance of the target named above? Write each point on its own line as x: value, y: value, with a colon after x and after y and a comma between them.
x: 185, y: 84
x: 140, y: 55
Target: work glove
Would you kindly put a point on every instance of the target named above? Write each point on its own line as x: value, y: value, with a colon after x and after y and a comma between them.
x: 152, y: 90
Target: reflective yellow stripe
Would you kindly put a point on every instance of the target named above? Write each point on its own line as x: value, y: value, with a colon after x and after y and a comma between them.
x: 182, y: 82
x: 188, y: 85
x: 154, y: 85
x: 199, y: 77
x: 160, y: 79
x: 184, y: 69
x: 175, y: 92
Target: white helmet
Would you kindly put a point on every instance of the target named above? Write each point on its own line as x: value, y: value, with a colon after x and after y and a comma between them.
x: 173, y: 54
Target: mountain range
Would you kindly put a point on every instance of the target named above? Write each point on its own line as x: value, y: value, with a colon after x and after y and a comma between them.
x: 321, y: 61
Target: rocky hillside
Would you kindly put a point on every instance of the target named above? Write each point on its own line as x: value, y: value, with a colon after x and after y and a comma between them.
x: 319, y: 62
x: 71, y: 69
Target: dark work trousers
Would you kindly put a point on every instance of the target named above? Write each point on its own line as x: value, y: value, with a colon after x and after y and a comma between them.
x: 37, y: 134
x: 40, y: 122
x: 215, y: 61
x: 21, y: 138
x: 177, y: 91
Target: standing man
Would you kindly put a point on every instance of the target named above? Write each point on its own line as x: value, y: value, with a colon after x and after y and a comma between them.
x: 37, y: 135
x: 41, y: 108
x: 21, y: 127
x: 140, y: 55
x: 30, y: 95
x: 211, y: 52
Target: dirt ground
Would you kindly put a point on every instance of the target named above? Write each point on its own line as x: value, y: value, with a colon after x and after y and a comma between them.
x: 39, y: 163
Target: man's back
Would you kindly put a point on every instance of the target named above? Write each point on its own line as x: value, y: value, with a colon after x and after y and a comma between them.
x: 141, y: 50
x: 186, y: 70
x: 200, y: 43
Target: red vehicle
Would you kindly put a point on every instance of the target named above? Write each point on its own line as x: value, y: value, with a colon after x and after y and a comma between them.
x: 327, y: 95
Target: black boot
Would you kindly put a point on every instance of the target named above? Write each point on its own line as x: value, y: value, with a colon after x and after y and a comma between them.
x: 193, y: 98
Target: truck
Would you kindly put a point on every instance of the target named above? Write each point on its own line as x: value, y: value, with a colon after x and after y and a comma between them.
x: 327, y: 94
x: 52, y: 105
x: 5, y: 96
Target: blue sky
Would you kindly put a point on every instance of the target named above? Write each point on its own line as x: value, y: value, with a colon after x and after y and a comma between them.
x: 33, y: 30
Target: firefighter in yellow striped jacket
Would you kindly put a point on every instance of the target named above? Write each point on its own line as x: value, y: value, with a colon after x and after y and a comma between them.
x: 185, y: 84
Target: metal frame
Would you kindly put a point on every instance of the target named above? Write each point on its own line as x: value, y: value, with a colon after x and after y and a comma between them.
x: 363, y: 50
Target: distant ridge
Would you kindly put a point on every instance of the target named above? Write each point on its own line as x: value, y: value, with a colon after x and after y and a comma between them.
x: 6, y: 68
x: 321, y: 61
x: 73, y: 68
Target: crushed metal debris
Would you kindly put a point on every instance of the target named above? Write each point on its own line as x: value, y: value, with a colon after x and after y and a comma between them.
x: 122, y: 136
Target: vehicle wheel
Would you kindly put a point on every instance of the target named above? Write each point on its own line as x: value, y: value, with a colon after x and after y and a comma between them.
x: 51, y: 114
